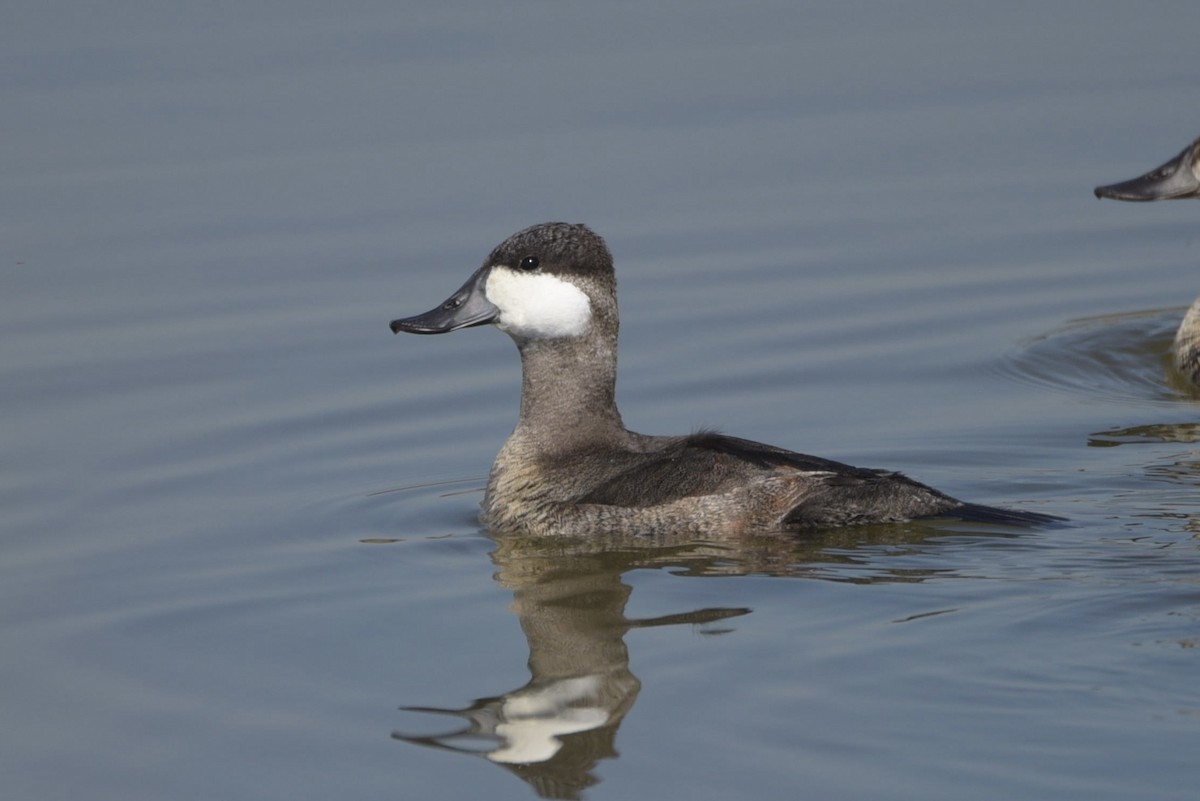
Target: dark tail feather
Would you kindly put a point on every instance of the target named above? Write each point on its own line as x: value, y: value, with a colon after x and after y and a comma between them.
x: 993, y: 515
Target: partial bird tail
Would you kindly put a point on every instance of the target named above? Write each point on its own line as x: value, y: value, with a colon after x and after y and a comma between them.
x: 995, y: 516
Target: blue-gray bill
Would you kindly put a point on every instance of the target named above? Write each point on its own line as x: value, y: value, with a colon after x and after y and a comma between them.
x: 467, y: 307
x: 1174, y: 180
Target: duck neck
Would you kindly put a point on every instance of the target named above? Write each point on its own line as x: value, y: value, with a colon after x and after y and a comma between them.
x: 568, y: 390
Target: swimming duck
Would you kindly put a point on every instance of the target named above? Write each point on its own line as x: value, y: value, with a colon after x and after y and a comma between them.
x: 1178, y: 178
x: 572, y: 468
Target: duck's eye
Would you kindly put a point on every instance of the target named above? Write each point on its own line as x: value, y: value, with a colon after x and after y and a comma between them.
x: 529, y: 263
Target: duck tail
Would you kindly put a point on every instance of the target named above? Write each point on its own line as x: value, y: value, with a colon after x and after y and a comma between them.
x: 994, y: 515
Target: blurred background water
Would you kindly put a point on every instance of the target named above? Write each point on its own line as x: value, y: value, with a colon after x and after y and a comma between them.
x: 238, y: 518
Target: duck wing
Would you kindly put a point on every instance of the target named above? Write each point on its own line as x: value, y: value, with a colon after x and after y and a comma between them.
x: 828, y: 493
x: 667, y: 469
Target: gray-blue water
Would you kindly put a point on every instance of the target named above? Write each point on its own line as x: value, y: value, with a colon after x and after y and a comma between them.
x: 238, y: 515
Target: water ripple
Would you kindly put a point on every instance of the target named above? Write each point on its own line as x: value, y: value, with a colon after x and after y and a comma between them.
x: 1123, y: 357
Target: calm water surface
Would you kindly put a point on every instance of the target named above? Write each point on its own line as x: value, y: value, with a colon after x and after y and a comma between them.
x: 240, y: 556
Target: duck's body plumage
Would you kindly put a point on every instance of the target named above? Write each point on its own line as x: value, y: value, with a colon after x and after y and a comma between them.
x: 572, y: 468
x: 702, y: 482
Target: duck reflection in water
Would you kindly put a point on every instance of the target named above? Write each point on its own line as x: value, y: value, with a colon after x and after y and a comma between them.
x: 570, y: 598
x: 553, y: 731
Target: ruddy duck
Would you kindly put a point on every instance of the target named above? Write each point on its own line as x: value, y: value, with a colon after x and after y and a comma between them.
x: 572, y: 468
x: 1178, y: 178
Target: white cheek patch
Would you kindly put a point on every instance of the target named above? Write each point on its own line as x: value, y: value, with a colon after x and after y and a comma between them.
x: 537, y: 306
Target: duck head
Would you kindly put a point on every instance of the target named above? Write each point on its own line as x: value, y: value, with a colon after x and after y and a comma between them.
x: 549, y: 281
